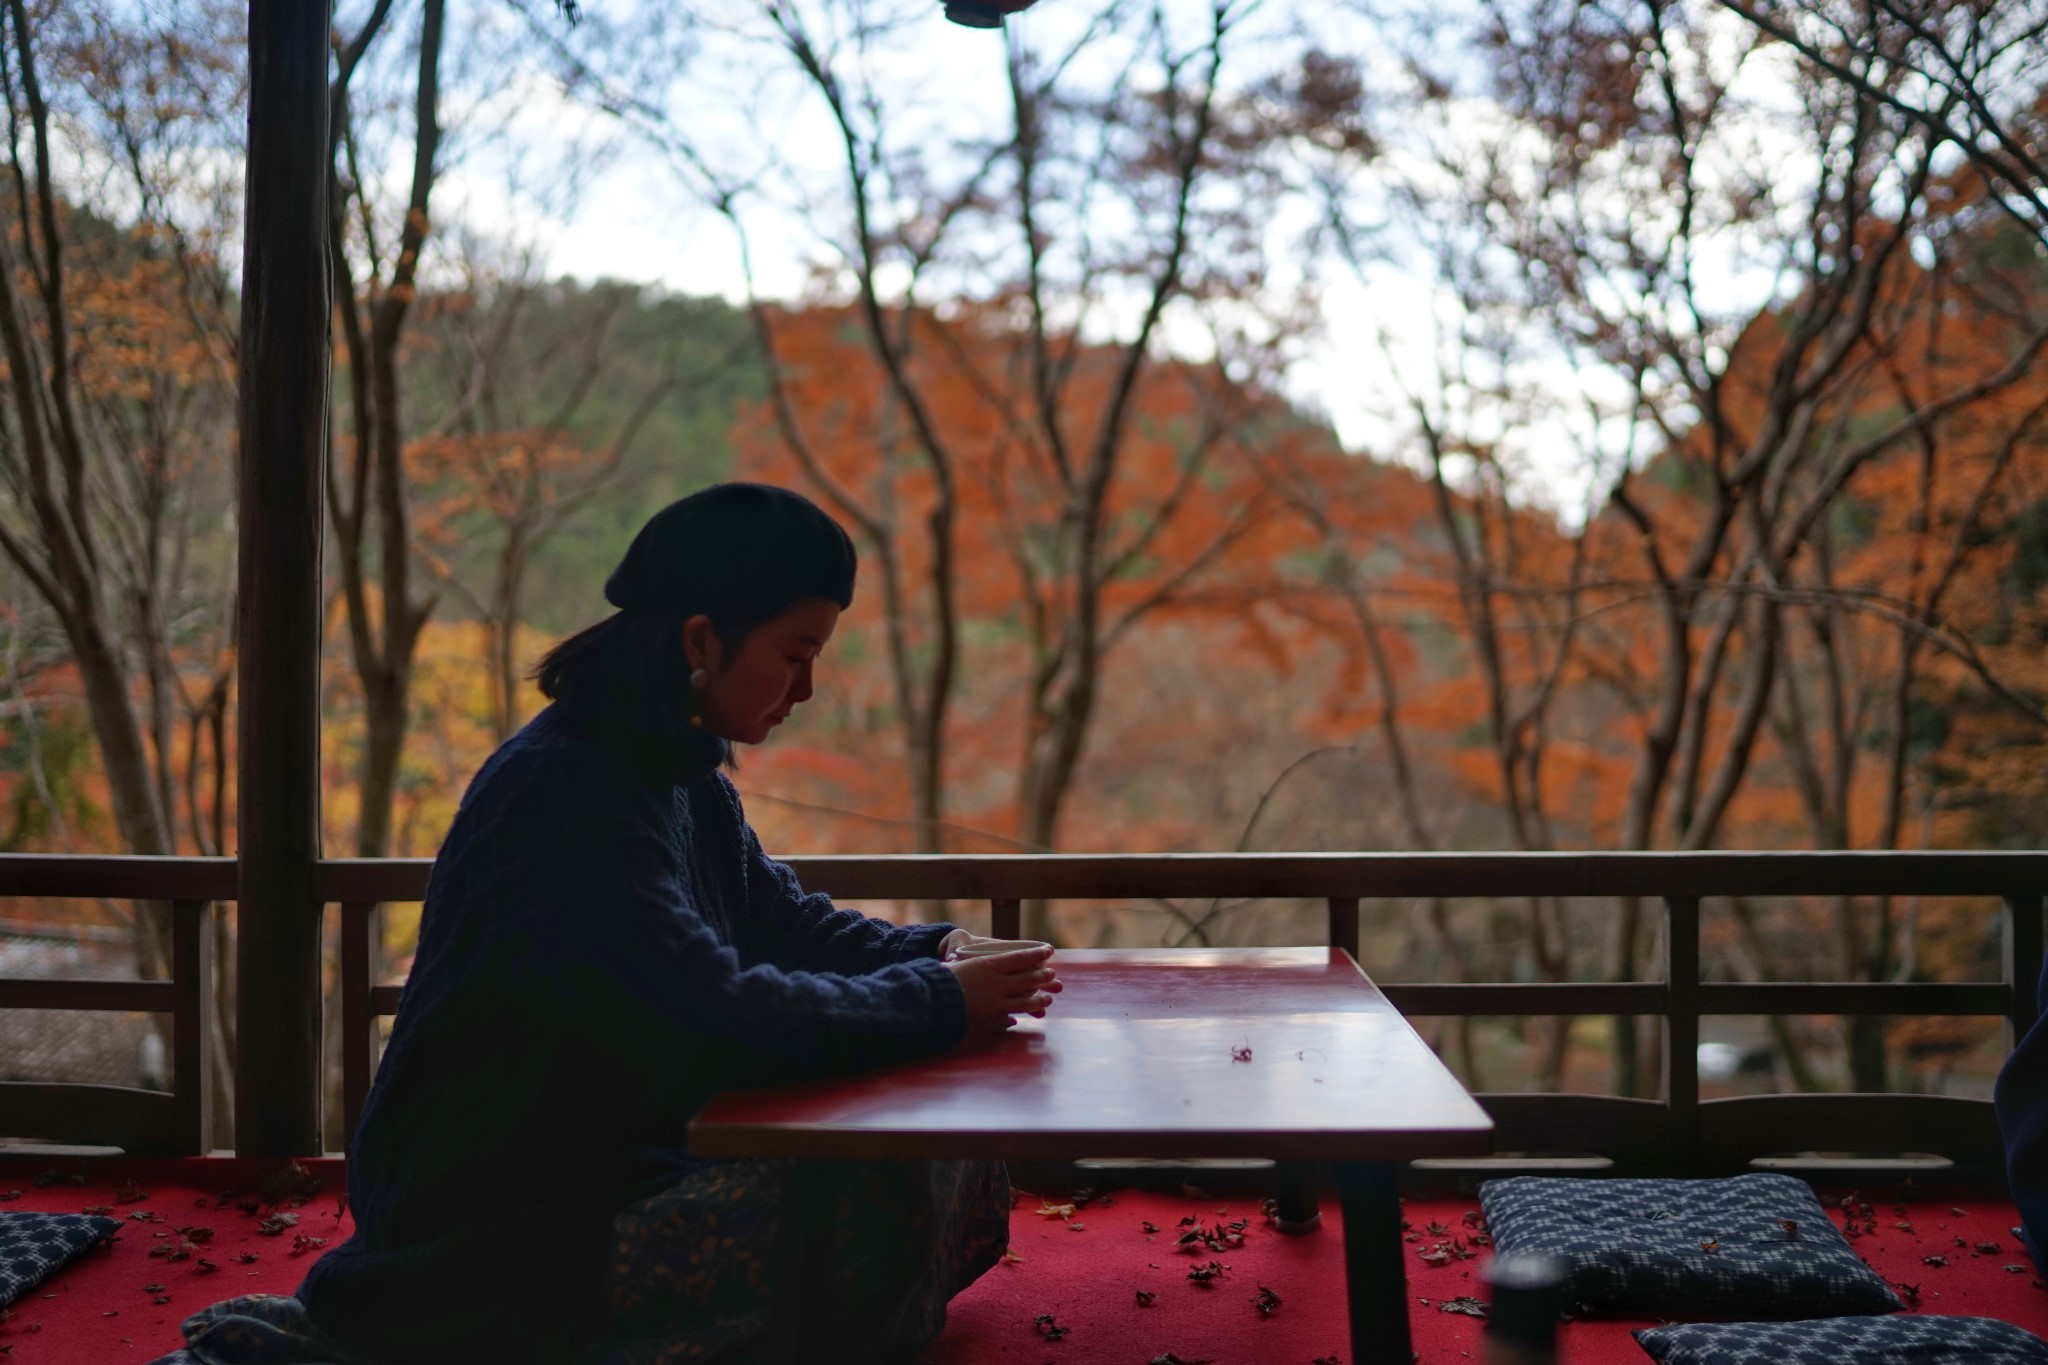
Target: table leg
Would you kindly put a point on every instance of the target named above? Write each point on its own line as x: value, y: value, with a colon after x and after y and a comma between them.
x: 1375, y: 1277
x: 1296, y: 1191
x: 801, y: 1302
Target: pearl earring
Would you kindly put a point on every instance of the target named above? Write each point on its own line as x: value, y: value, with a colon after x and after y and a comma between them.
x: 700, y: 679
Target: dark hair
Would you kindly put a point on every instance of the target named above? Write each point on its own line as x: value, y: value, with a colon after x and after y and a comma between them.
x: 635, y: 660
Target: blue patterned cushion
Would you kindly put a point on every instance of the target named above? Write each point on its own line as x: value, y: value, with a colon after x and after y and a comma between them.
x: 1749, y: 1246
x: 33, y: 1246
x: 1847, y: 1341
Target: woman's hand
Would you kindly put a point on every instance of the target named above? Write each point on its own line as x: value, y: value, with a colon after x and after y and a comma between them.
x: 1001, y: 985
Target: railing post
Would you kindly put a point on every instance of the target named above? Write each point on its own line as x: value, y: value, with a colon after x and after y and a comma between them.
x: 1344, y: 924
x: 1682, y: 1027
x: 1006, y: 918
x: 191, y: 1021
x: 358, y: 919
x: 2021, y: 938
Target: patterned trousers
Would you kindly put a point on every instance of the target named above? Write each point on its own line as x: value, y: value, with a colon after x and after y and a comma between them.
x: 690, y: 1276
x: 691, y: 1267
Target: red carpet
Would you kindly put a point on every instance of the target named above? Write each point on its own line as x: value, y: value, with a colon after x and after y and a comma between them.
x: 103, y: 1308
x: 1088, y: 1281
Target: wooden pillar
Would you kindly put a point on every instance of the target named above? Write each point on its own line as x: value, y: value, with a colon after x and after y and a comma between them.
x: 284, y: 393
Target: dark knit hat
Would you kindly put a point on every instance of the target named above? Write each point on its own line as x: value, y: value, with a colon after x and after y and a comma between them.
x: 735, y: 550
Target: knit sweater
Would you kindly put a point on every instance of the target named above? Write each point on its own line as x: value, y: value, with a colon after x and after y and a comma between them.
x: 603, y: 947
x: 2021, y: 1097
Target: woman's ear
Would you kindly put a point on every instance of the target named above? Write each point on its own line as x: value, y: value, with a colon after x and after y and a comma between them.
x: 700, y: 643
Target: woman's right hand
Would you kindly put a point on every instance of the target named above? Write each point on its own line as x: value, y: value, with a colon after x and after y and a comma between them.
x: 1001, y: 985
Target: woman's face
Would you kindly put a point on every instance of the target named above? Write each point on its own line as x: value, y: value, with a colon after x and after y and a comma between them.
x: 769, y: 675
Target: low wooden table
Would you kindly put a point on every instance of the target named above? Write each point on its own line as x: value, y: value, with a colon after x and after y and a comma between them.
x: 1289, y: 1053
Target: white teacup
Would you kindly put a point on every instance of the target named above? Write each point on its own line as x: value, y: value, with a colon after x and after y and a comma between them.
x: 988, y: 947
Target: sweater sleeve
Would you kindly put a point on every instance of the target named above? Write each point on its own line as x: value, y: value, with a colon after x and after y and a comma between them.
x: 612, y: 926
x: 804, y: 929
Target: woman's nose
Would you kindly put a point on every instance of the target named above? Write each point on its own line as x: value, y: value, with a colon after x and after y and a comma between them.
x: 802, y: 690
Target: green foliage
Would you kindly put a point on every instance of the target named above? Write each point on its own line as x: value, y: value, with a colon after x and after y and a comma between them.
x: 703, y: 343
x: 43, y: 775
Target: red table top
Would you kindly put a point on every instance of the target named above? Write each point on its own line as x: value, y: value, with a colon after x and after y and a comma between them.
x: 1288, y: 1053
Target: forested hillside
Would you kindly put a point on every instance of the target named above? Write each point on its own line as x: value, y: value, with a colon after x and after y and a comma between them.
x: 1695, y: 495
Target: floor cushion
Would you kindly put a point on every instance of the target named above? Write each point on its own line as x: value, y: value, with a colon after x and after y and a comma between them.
x: 1744, y: 1247
x: 34, y: 1246
x: 1863, y: 1340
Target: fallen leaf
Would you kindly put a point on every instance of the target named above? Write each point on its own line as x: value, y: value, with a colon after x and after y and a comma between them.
x: 290, y: 1181
x: 1711, y: 1245
x: 1464, y: 1303
x: 1910, y: 1293
x: 1055, y: 1210
x: 1934, y: 1260
x: 1048, y: 1328
x: 1145, y: 1297
x: 1265, y: 1301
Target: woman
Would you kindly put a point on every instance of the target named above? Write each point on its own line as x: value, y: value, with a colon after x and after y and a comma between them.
x: 603, y: 947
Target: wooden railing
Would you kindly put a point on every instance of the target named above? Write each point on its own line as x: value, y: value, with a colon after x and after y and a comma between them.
x: 1678, y: 1132
x: 124, y: 1116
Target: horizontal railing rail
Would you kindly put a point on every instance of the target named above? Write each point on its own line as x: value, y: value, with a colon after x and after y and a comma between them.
x: 1678, y: 1131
